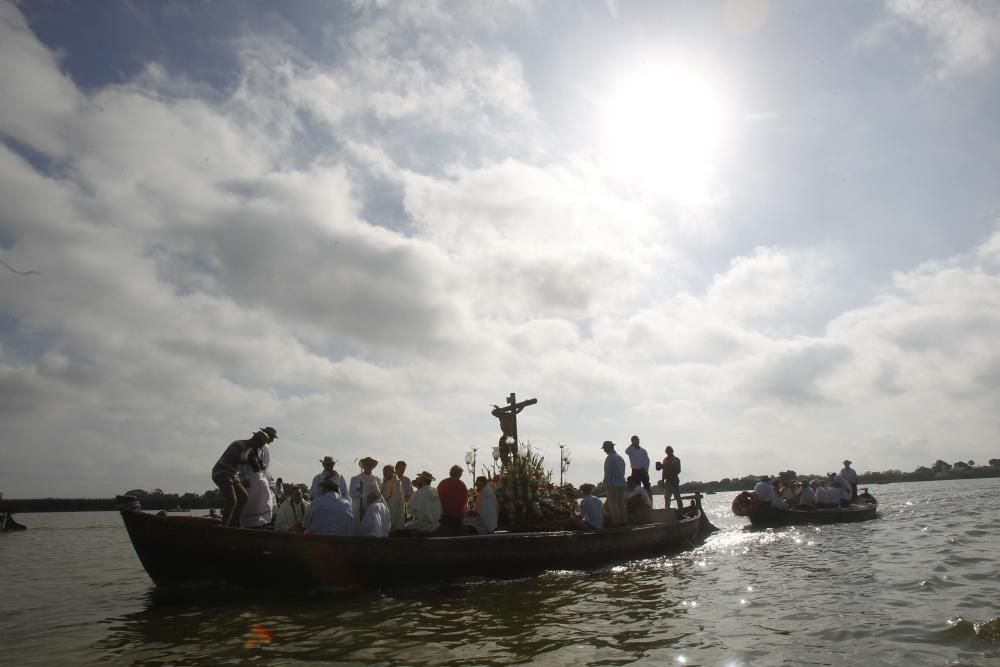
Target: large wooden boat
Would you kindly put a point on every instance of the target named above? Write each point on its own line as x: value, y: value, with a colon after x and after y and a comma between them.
x: 762, y: 516
x: 180, y: 551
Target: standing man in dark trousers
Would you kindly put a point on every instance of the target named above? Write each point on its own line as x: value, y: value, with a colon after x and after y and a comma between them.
x: 672, y: 478
x: 226, y: 476
x: 639, y: 461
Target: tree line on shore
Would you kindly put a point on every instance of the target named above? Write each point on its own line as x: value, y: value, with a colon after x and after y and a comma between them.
x: 157, y: 499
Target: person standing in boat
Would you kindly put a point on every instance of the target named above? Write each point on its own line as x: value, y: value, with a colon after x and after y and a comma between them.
x: 226, y: 476
x: 292, y: 513
x: 392, y: 491
x: 484, y: 515
x: 425, y: 505
x: 639, y: 460
x: 614, y: 484
x: 404, y: 481
x: 260, y: 506
x: 329, y: 514
x: 671, y: 478
x: 851, y: 477
x: 328, y: 473
x: 454, y: 496
x: 362, y: 486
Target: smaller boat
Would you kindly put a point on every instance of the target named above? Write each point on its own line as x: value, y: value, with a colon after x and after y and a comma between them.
x: 764, y: 516
x: 8, y: 525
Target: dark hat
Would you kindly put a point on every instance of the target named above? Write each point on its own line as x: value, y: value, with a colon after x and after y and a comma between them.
x: 328, y: 459
x: 847, y: 462
x: 271, y: 432
x: 608, y: 445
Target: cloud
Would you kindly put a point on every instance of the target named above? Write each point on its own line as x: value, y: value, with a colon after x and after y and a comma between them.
x: 964, y: 35
x: 368, y: 251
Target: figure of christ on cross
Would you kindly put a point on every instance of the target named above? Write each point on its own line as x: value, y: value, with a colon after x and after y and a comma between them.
x: 508, y: 425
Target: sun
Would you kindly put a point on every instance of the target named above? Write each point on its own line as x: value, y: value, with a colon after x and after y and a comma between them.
x: 664, y: 131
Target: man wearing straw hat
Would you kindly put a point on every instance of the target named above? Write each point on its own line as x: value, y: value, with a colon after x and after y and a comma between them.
x: 425, y: 506
x: 851, y: 477
x: 328, y: 473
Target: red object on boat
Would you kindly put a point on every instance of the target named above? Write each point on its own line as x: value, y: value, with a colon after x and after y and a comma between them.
x: 746, y: 503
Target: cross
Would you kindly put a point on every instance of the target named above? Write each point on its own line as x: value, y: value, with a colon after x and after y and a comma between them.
x: 508, y: 424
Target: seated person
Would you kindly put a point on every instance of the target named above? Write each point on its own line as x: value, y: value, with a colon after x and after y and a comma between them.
x: 376, y: 522
x: 454, y: 497
x: 827, y: 497
x: 483, y: 516
x: 424, y: 505
x: 764, y: 491
x: 329, y: 514
x: 637, y: 503
x: 591, y: 508
x: 292, y: 513
x: 807, y: 496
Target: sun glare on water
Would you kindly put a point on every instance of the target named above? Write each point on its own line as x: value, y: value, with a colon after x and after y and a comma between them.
x: 664, y: 132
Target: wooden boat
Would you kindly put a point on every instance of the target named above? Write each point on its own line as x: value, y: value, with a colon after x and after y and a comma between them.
x: 763, y: 516
x: 8, y: 525
x: 184, y: 550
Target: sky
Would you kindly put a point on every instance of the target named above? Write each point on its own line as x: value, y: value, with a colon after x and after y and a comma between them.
x: 765, y: 233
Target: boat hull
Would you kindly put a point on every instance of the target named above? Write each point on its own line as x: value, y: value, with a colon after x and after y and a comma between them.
x: 180, y: 551
x: 769, y: 518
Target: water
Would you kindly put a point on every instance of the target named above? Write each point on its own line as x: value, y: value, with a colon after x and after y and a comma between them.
x: 905, y: 589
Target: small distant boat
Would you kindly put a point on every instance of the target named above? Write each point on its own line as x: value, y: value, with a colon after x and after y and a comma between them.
x: 763, y: 516
x: 8, y: 525
x: 176, y: 509
x: 186, y: 550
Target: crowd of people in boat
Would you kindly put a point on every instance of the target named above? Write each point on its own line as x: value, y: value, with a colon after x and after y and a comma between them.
x: 837, y: 490
x: 386, y: 502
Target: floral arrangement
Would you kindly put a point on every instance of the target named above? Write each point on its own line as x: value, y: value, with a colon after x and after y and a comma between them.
x: 528, y: 499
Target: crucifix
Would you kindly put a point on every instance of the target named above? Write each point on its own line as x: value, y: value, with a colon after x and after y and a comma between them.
x: 508, y: 425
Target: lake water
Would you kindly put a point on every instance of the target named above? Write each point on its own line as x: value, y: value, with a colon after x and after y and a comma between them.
x: 905, y: 589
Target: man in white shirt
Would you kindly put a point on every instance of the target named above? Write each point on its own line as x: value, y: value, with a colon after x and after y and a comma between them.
x: 362, y: 486
x: 292, y: 513
x: 591, y: 508
x: 376, y: 522
x: 764, y: 491
x: 425, y: 506
x: 851, y: 476
x: 328, y: 473
x: 404, y: 481
x: 329, y: 514
x: 614, y: 484
x: 485, y: 513
x: 807, y: 495
x: 639, y: 461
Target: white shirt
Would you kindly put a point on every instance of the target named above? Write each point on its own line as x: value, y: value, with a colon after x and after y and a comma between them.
x: 592, y: 511
x: 764, y: 491
x: 425, y: 506
x: 329, y: 515
x: 850, y: 475
x: 808, y: 497
x: 488, y: 510
x: 376, y: 522
x: 637, y: 457
x: 314, y: 490
x: 614, y: 471
x: 289, y: 513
